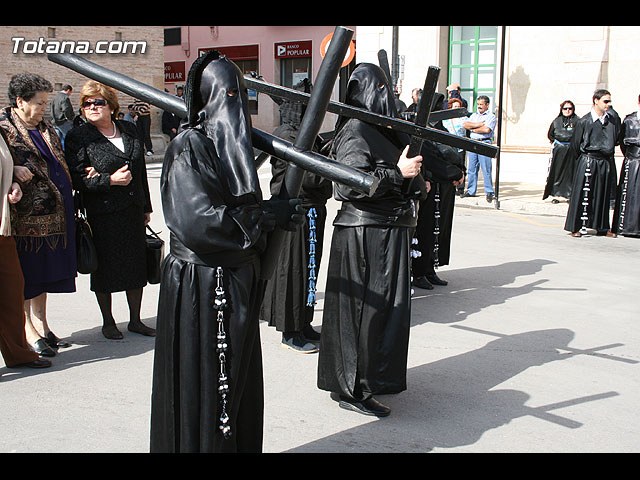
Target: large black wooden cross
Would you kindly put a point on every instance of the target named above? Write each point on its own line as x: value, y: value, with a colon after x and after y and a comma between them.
x: 298, y: 154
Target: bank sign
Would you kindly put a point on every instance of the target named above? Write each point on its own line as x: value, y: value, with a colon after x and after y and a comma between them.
x: 293, y: 49
x: 174, y: 72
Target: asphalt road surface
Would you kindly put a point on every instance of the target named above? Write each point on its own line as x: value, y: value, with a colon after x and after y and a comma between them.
x: 533, y: 346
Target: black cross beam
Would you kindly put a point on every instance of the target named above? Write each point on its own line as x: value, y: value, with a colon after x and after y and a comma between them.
x: 383, y: 61
x: 307, y: 134
x: 315, y: 163
x: 435, y: 116
x: 256, y: 83
x: 300, y: 151
x: 422, y: 118
x: 399, y: 124
x: 424, y: 108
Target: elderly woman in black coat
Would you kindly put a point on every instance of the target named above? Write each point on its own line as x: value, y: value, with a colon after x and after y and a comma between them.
x: 106, y: 159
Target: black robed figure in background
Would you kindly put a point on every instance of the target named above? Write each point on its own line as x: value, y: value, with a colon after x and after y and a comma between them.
x: 561, y: 165
x: 207, y: 393
x: 593, y: 144
x: 290, y: 293
x: 367, y: 306
x: 435, y: 216
x: 626, y: 216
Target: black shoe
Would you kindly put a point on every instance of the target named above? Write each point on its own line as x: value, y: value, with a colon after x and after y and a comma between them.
x: 40, y: 363
x: 298, y: 343
x: 490, y: 197
x: 310, y: 334
x: 41, y: 348
x: 435, y: 280
x: 466, y: 194
x: 422, y: 282
x: 369, y: 406
x: 54, y: 342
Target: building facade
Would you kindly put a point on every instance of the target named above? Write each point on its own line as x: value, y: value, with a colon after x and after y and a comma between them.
x: 283, y: 55
x: 526, y: 71
x: 539, y: 68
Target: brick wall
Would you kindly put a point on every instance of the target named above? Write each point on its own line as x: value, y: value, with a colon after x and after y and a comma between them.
x: 146, y: 67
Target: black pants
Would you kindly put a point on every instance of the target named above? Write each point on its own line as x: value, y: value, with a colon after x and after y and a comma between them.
x: 144, y: 128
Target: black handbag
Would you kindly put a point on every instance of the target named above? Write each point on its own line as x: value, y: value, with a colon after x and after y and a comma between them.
x: 155, y: 256
x: 86, y: 254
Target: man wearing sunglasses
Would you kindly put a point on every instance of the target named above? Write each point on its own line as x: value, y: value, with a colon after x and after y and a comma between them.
x: 594, y: 140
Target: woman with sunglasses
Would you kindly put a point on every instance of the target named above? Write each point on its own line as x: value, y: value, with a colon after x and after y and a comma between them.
x: 560, y: 174
x: 44, y: 218
x: 106, y: 159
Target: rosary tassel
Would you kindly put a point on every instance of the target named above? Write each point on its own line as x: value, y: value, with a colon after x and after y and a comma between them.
x: 623, y: 196
x: 585, y: 201
x: 436, y: 231
x: 311, y: 284
x: 220, y: 304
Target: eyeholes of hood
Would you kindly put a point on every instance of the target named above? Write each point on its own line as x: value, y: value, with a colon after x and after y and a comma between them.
x: 233, y: 92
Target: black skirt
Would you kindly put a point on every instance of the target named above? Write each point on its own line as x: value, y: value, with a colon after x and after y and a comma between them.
x: 120, y: 243
x: 560, y: 177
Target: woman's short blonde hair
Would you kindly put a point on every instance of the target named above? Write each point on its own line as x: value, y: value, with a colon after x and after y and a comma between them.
x: 93, y: 89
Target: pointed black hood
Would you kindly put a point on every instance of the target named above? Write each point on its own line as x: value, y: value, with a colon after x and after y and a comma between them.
x: 217, y: 102
x: 368, y: 88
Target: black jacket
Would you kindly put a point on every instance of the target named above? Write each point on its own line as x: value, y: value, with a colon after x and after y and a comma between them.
x: 85, y: 146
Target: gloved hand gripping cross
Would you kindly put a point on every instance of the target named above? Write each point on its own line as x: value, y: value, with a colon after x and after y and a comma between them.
x: 287, y: 214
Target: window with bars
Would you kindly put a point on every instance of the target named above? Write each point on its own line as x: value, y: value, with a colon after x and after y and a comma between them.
x: 473, y: 61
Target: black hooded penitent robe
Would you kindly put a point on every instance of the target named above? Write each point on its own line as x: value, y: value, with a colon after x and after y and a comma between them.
x: 212, y: 205
x: 367, y: 309
x: 561, y: 165
x: 435, y: 216
x: 290, y: 292
x: 593, y: 143
x: 626, y: 216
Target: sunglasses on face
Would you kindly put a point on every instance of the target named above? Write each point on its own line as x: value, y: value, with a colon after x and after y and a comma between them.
x: 567, y: 108
x: 98, y: 103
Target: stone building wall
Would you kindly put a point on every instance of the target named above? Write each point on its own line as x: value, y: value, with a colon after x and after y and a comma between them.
x: 29, y: 55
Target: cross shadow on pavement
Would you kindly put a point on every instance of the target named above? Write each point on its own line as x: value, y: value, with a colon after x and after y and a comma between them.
x: 454, y: 401
x: 471, y: 290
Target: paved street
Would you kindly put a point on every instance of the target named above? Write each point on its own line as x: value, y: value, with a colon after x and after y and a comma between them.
x: 533, y: 346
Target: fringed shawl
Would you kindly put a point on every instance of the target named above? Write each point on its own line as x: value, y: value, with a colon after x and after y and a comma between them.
x: 6, y: 174
x: 39, y: 217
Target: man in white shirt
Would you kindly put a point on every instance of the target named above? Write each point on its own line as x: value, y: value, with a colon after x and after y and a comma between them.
x: 481, y: 125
